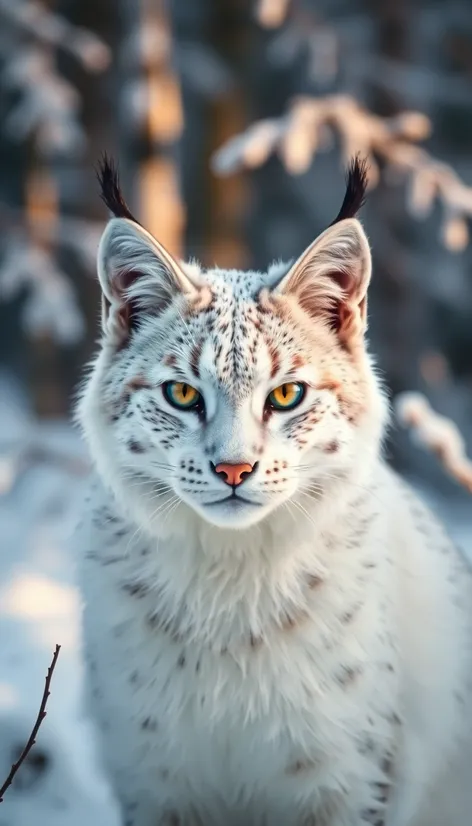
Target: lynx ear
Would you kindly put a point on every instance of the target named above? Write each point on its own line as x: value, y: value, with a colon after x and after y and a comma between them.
x: 331, y: 278
x: 137, y: 275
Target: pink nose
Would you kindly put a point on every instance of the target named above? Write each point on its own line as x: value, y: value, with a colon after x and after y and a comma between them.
x: 233, y: 474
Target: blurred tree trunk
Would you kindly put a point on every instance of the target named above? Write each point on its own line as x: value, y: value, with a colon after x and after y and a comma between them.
x: 42, y: 199
x: 397, y: 317
x: 224, y: 243
x: 152, y: 120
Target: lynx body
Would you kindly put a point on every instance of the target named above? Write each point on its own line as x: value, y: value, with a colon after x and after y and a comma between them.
x: 277, y: 631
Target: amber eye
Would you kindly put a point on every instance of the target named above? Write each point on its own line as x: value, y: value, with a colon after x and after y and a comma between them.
x: 286, y: 396
x: 182, y: 395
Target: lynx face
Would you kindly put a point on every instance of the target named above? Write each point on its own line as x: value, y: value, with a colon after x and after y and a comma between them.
x: 232, y: 392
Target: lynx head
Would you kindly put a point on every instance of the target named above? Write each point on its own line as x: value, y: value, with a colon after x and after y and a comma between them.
x: 231, y: 393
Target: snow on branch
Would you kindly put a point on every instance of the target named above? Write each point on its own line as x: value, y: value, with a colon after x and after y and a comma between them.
x: 34, y: 733
x: 43, y: 25
x: 51, y: 303
x: 437, y: 434
x: 48, y: 108
x: 310, y: 126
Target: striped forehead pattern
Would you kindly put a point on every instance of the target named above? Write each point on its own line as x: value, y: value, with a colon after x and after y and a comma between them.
x: 235, y: 335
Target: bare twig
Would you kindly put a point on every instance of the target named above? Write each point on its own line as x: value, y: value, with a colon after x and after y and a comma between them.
x: 436, y: 433
x: 32, y: 738
x: 309, y: 127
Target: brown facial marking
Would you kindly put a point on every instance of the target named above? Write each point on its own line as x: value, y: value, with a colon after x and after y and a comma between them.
x: 329, y: 383
x: 297, y: 362
x: 331, y: 447
x: 170, y: 360
x: 275, y: 361
x: 137, y: 383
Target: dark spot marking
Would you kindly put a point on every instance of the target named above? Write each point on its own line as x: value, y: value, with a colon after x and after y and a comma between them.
x: 195, y: 358
x: 348, y: 675
x: 149, y: 724
x: 135, y: 447
x: 135, y: 589
x: 331, y: 447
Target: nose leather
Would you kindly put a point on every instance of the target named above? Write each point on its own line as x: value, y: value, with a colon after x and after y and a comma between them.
x: 233, y: 474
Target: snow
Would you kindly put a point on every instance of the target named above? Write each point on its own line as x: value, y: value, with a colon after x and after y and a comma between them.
x: 40, y: 606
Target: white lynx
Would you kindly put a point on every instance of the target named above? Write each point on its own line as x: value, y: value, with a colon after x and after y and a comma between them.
x: 277, y: 631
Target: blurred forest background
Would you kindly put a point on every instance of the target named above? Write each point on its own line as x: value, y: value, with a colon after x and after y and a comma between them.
x: 163, y: 86
x: 232, y: 121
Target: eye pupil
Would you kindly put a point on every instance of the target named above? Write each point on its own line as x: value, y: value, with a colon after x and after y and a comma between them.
x: 286, y: 396
x: 182, y: 395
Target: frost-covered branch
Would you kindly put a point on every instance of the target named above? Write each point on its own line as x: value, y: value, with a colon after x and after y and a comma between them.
x: 51, y: 303
x: 49, y: 106
x: 310, y: 126
x: 437, y: 434
x: 32, y: 738
x: 43, y: 25
x: 77, y: 235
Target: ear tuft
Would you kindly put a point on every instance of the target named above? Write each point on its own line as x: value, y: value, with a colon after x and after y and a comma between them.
x: 111, y: 194
x: 356, y: 185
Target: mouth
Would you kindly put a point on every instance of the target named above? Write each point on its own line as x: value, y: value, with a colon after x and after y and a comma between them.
x: 232, y: 498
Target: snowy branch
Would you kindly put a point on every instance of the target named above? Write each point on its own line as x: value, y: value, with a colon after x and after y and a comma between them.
x: 32, y: 739
x: 437, y: 434
x: 48, y: 107
x: 43, y: 25
x: 51, y: 303
x: 310, y: 126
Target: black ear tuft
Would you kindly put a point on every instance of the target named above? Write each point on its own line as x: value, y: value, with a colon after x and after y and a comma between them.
x: 111, y: 194
x: 356, y: 185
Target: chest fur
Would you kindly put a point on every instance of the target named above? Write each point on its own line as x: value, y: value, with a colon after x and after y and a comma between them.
x: 298, y: 701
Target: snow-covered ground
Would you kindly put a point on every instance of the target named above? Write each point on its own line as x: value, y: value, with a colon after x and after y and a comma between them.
x: 39, y: 607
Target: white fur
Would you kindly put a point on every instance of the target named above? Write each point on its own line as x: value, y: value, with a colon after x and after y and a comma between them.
x: 284, y: 664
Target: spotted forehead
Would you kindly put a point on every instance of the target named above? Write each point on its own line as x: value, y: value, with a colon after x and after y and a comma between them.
x: 235, y: 339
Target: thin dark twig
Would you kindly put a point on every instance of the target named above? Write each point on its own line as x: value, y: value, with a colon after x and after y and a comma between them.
x: 32, y: 739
